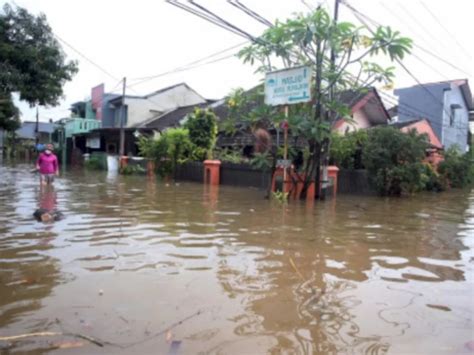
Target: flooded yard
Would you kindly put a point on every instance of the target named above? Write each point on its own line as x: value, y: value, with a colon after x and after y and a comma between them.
x: 146, y: 267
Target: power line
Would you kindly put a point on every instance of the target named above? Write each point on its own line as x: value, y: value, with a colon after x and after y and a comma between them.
x: 251, y: 13
x: 418, y: 22
x: 86, y: 58
x: 427, y: 51
x: 446, y: 30
x: 359, y: 17
x: 310, y: 8
x: 191, y: 65
x: 211, y: 17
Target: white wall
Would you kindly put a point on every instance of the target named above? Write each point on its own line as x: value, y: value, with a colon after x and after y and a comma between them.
x: 139, y: 109
x: 457, y: 133
x: 360, y: 121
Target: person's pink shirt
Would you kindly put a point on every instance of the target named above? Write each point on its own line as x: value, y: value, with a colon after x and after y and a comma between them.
x: 48, y: 164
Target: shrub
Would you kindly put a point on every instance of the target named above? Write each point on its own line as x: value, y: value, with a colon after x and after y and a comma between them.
x: 456, y: 169
x: 94, y: 163
x: 346, y: 150
x: 433, y: 181
x: 171, y: 148
x: 202, y: 127
x: 228, y: 155
x: 133, y: 170
x: 394, y: 160
x: 261, y: 161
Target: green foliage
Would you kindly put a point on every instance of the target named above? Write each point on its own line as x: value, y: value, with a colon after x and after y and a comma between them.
x: 32, y: 62
x: 173, y: 147
x: 294, y: 42
x: 456, y: 169
x: 230, y: 156
x: 433, y: 181
x: 280, y: 196
x: 148, y: 147
x: 133, y: 170
x: 202, y: 127
x: 9, y: 114
x: 261, y: 161
x: 345, y: 150
x: 94, y: 163
x: 394, y: 160
x: 310, y: 39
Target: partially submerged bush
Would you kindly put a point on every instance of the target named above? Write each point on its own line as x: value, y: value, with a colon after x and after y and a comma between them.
x: 133, y: 170
x: 170, y: 149
x: 456, y: 169
x: 394, y: 160
x: 93, y: 163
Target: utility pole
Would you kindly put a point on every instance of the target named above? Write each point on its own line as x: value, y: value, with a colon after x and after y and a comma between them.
x: 330, y: 114
x: 122, y: 120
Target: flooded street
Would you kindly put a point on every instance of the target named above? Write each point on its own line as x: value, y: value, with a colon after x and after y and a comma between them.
x: 153, y: 268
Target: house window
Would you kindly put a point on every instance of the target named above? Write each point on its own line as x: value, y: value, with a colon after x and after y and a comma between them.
x: 454, y: 115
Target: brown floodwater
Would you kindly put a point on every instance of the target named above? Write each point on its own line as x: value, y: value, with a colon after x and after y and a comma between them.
x: 146, y: 267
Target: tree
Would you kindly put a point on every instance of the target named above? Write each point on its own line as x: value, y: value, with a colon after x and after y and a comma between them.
x: 32, y: 62
x: 345, y: 150
x: 9, y: 114
x: 309, y: 40
x: 394, y: 160
x: 202, y: 127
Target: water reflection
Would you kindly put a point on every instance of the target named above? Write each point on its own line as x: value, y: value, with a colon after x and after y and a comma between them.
x: 27, y: 273
x: 352, y: 275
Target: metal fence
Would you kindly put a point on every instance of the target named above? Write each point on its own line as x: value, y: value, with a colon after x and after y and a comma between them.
x: 354, y: 182
x: 349, y: 181
x: 191, y: 171
x: 230, y: 174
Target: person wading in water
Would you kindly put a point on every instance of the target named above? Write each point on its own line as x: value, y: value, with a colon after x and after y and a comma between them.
x: 47, y: 165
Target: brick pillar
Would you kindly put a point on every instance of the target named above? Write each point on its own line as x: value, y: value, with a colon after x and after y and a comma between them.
x: 212, y: 170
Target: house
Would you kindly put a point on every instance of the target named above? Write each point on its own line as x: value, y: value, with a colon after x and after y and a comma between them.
x: 444, y: 104
x: 171, y: 119
x: 136, y: 113
x: 367, y: 110
x: 423, y: 126
x: 139, y: 109
x: 27, y: 132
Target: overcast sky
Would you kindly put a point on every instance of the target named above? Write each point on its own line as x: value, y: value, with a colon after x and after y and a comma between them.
x: 142, y: 38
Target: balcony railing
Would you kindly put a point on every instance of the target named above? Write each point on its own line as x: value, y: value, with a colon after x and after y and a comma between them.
x: 80, y: 125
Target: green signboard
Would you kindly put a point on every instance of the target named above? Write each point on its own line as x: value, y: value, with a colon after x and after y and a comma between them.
x: 289, y: 86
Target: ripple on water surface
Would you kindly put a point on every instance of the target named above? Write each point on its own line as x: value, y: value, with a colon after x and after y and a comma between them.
x: 230, y: 272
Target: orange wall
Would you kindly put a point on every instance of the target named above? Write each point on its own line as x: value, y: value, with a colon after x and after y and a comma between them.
x: 424, y: 127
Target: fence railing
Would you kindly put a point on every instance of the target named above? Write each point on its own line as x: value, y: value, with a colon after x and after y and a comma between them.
x: 349, y: 181
x: 354, y: 182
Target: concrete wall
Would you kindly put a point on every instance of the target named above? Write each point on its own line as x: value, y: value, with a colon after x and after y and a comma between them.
x: 360, y: 121
x: 457, y: 132
x: 416, y: 102
x: 108, y: 114
x: 423, y: 127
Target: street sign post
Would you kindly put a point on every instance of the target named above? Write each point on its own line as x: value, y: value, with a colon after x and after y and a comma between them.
x: 288, y: 86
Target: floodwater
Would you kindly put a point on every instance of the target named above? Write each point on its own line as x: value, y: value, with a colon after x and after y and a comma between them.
x: 145, y: 267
